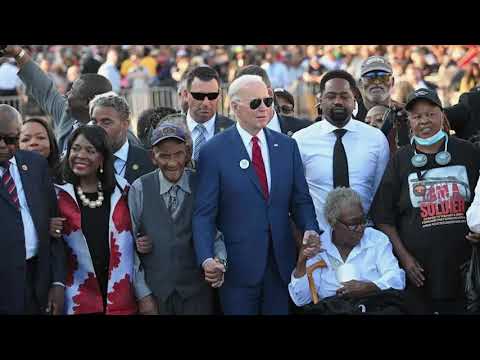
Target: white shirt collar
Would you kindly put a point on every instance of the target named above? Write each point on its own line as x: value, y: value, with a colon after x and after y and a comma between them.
x: 274, y: 124
x: 122, y: 153
x: 209, y: 125
x: 331, y: 249
x: 247, y: 138
x: 328, y: 127
x: 12, y: 160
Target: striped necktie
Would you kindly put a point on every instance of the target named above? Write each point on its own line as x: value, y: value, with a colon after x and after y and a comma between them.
x: 199, y: 140
x: 9, y: 184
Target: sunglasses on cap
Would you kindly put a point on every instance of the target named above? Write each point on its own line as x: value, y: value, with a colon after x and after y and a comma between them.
x: 286, y: 108
x: 255, y: 103
x: 201, y: 96
x: 9, y: 140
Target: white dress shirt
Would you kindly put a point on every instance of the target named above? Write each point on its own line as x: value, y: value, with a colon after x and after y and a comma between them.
x: 372, y: 259
x: 121, y: 156
x: 209, y: 126
x: 367, y: 155
x: 29, y: 231
x: 473, y: 212
x: 262, y: 142
x: 274, y: 124
x: 9, y: 79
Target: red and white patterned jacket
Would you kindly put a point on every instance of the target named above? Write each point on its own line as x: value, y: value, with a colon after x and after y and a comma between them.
x: 82, y: 293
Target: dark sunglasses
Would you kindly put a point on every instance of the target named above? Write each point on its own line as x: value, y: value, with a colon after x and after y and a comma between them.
x: 286, y: 108
x: 9, y: 140
x: 377, y: 75
x: 201, y: 96
x: 255, y: 103
x: 355, y: 227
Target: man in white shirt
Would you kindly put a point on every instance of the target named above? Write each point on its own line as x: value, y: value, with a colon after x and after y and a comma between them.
x: 202, y: 92
x: 32, y: 264
x: 112, y: 113
x: 110, y: 71
x: 360, y: 151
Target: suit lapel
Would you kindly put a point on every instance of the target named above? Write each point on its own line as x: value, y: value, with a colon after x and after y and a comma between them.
x: 275, y: 160
x: 242, y: 154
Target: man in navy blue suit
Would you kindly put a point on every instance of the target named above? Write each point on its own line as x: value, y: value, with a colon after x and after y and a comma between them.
x: 249, y: 179
x: 32, y: 264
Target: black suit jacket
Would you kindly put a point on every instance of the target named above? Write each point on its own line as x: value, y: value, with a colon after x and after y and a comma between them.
x: 222, y: 123
x: 139, y: 163
x: 289, y: 124
x: 42, y: 203
x: 464, y: 117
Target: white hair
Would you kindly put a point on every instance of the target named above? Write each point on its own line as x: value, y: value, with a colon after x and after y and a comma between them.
x: 337, y: 200
x: 240, y: 82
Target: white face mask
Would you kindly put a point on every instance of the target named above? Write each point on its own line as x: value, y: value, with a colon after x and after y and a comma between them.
x: 431, y: 140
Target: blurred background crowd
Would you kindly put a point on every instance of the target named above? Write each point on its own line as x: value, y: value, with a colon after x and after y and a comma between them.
x: 149, y: 75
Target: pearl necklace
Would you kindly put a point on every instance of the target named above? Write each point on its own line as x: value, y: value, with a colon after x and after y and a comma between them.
x: 91, y: 203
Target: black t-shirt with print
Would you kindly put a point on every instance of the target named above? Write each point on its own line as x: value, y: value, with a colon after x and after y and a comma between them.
x: 429, y: 213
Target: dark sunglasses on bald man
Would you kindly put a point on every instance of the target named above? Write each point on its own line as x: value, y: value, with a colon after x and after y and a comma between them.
x: 255, y: 103
x: 9, y: 140
x: 201, y: 96
x: 377, y: 75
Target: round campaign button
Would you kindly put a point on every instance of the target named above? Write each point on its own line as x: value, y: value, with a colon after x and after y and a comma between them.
x: 244, y: 163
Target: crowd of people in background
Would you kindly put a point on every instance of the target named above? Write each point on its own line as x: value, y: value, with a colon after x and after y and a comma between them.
x: 365, y: 203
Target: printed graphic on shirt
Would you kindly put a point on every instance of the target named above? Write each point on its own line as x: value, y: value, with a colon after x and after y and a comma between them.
x: 440, y: 194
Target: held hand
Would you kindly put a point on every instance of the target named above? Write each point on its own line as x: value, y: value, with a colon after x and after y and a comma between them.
x: 220, y: 282
x: 213, y: 271
x: 474, y: 238
x: 413, y: 269
x: 311, y: 244
x: 56, y: 300
x: 56, y: 227
x: 147, y: 306
x: 355, y: 289
x: 144, y: 244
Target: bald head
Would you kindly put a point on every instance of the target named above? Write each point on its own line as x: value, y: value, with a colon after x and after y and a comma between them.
x: 375, y: 115
x: 10, y: 123
x: 10, y: 114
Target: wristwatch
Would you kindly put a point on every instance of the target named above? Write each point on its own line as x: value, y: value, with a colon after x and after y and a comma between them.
x: 20, y: 55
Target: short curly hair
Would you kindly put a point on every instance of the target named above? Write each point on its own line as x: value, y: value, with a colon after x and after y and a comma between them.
x: 336, y: 200
x: 118, y: 103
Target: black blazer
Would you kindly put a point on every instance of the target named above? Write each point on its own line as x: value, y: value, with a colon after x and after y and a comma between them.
x: 52, y: 262
x: 464, y: 117
x: 139, y: 163
x: 290, y: 125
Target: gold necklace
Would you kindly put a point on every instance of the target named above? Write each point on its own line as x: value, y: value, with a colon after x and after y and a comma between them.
x: 91, y: 203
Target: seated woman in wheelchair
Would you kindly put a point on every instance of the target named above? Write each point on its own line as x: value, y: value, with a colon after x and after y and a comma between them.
x: 357, y: 261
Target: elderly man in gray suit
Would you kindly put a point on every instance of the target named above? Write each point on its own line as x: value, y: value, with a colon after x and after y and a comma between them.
x: 67, y: 112
x: 161, y: 207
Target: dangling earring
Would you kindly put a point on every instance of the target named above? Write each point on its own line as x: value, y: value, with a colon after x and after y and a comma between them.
x: 101, y: 170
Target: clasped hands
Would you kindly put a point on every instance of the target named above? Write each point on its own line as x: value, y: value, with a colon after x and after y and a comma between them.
x: 214, y: 272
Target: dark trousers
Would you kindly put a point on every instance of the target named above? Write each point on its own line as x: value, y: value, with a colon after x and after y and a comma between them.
x: 270, y: 297
x: 31, y: 303
x: 419, y: 302
x: 199, y: 304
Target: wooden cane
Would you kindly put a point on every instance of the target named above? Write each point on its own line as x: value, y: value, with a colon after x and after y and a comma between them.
x: 311, y: 283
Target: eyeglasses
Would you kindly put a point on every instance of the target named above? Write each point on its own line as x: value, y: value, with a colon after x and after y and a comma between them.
x: 371, y: 77
x: 201, y: 96
x: 255, y: 103
x: 9, y: 140
x: 356, y: 227
x: 429, y: 116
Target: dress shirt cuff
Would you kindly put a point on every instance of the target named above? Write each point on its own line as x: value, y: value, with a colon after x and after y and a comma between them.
x: 205, y: 261
x: 295, y: 280
x: 59, y: 284
x: 381, y: 284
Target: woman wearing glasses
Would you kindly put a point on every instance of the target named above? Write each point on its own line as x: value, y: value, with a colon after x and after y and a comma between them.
x: 421, y: 206
x: 358, y: 259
